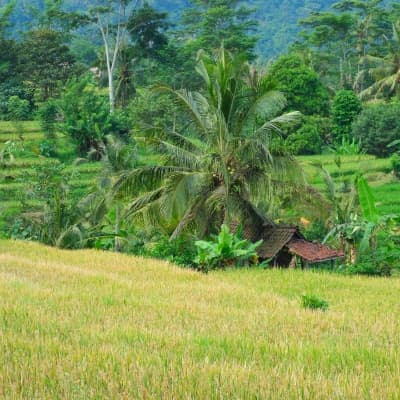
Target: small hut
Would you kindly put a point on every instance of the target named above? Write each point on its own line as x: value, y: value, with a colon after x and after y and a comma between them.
x: 285, y: 243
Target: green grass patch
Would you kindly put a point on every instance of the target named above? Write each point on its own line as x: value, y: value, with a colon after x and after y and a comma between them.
x: 27, y: 126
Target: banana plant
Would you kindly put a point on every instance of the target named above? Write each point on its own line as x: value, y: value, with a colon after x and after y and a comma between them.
x: 224, y: 250
x: 355, y: 219
x: 374, y: 222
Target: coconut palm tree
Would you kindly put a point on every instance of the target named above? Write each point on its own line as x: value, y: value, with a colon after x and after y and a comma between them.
x: 220, y: 167
x: 385, y: 71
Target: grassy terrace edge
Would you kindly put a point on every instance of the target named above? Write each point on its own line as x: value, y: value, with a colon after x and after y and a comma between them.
x: 90, y: 325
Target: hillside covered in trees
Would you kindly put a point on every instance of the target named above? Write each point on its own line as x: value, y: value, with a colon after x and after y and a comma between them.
x: 278, y: 20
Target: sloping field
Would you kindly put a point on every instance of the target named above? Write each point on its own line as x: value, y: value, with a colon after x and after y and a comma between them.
x: 93, y: 325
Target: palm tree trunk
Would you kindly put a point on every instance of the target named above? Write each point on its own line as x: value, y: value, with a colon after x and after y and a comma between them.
x: 353, y: 255
x: 117, y: 229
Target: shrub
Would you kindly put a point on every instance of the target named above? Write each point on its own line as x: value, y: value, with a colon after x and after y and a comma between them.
x: 48, y: 118
x: 22, y: 229
x: 346, y: 106
x: 13, y: 87
x: 18, y: 109
x: 47, y: 149
x: 312, y: 302
x: 179, y: 251
x: 369, y: 268
x: 380, y: 262
x: 306, y: 140
x: 226, y: 249
x: 395, y: 160
x: 377, y: 127
x: 7, y: 154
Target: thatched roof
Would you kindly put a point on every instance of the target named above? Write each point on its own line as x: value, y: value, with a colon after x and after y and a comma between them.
x: 275, y: 238
x: 278, y: 237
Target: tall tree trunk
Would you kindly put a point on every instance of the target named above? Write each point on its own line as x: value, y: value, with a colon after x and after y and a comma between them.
x: 111, y: 93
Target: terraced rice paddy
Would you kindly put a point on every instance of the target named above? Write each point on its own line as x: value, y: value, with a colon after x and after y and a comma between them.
x: 16, y: 179
x: 385, y: 186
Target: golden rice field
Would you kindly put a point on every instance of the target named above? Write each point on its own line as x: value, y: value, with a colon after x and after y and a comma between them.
x: 94, y: 325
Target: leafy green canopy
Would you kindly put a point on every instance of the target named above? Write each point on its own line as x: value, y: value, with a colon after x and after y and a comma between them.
x: 86, y: 117
x: 46, y: 62
x: 210, y: 23
x: 206, y: 24
x: 377, y: 127
x: 218, y: 167
x: 336, y: 40
x: 346, y: 106
x: 300, y: 84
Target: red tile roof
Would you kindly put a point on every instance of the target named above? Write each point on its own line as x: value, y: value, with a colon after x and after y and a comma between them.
x: 313, y: 252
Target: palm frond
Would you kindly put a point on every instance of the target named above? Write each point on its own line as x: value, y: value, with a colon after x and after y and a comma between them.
x: 180, y: 156
x: 139, y: 179
x: 143, y: 201
x: 195, y: 104
x: 274, y: 124
x: 265, y: 107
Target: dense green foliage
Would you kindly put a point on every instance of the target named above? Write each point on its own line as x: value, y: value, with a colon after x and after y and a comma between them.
x: 395, y: 160
x: 47, y: 61
x: 209, y: 24
x: 226, y: 249
x: 189, y: 128
x: 345, y: 108
x: 86, y: 117
x: 377, y: 127
x: 47, y: 114
x: 308, y: 139
x: 301, y: 85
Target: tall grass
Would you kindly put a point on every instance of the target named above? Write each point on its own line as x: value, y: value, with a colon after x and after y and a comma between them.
x: 93, y: 325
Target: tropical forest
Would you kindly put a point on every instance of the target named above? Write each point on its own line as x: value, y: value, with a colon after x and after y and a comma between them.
x: 199, y: 199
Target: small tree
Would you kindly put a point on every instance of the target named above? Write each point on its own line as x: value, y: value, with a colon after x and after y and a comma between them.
x: 308, y: 139
x: 346, y: 106
x: 46, y: 61
x: 48, y: 118
x: 18, y: 111
x: 86, y: 117
x: 300, y: 84
x: 377, y: 127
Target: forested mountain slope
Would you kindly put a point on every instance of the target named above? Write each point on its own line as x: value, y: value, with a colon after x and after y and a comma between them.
x: 278, y: 18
